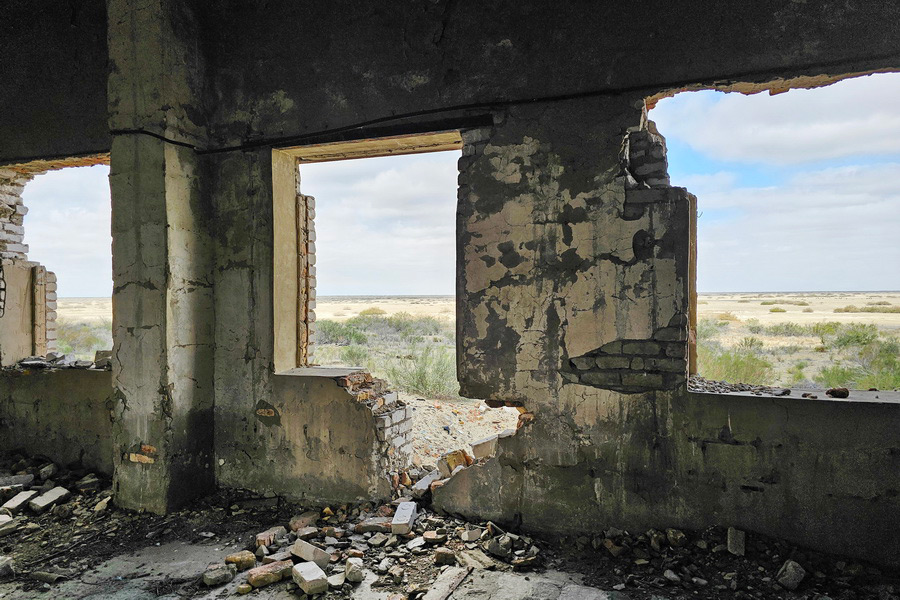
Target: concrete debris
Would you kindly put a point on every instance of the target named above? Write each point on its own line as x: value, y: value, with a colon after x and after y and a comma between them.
x: 243, y: 560
x: 736, y: 541
x: 404, y: 518
x: 310, y: 577
x: 305, y: 551
x: 19, y: 501
x: 268, y: 574
x: 54, y: 360
x: 701, y: 384
x: 219, y: 574
x: 353, y: 570
x: 49, y: 499
x: 790, y: 575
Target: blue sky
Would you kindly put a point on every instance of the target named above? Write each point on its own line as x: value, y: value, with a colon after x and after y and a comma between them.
x: 798, y: 191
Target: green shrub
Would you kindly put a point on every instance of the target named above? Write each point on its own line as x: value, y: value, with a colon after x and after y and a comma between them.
x: 777, y: 309
x: 807, y: 310
x: 733, y: 366
x: 856, y: 334
x: 355, y: 355
x: 768, y: 302
x: 427, y: 370
x: 750, y: 344
x: 342, y: 334
x: 707, y: 329
x: 755, y: 326
x: 81, y: 339
x: 868, y: 309
x: 374, y: 310
x: 788, y: 329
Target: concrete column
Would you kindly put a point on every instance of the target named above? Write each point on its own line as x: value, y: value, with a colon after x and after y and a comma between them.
x: 163, y: 313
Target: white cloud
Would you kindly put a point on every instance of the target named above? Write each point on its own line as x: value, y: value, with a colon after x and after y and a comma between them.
x: 854, y: 117
x: 385, y: 225
x: 832, y: 229
x: 68, y: 229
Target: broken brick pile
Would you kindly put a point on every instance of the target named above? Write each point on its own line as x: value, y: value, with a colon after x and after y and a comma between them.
x: 54, y: 360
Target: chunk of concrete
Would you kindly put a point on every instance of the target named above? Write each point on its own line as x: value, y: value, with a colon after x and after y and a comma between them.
x: 736, y: 541
x: 268, y: 574
x: 353, y: 570
x: 47, y: 500
x: 17, y: 502
x: 404, y: 518
x: 790, y: 575
x: 310, y: 578
x: 219, y: 574
x: 423, y: 485
x: 307, y: 519
x: 307, y: 552
x: 243, y: 560
x: 485, y: 447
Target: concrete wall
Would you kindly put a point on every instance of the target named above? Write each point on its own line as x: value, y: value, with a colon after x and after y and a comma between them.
x: 16, y: 322
x: 314, y: 441
x: 64, y: 415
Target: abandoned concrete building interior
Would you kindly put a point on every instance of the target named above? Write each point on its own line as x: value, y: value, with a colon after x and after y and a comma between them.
x: 208, y: 452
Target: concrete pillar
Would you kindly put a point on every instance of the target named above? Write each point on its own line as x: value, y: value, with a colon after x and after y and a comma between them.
x: 163, y: 313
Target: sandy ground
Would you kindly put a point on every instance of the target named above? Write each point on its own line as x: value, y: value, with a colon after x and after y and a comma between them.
x: 743, y: 305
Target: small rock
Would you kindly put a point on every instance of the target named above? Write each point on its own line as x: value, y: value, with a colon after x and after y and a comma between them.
x: 48, y: 471
x: 219, y: 574
x: 244, y: 588
x: 7, y: 567
x: 310, y: 578
x: 415, y: 543
x: 676, y: 538
x: 88, y: 482
x: 102, y: 505
x: 404, y: 518
x: 307, y: 552
x: 336, y: 580
x: 396, y: 574
x: 500, y: 547
x: 268, y: 574
x: 374, y: 524
x: 736, y: 541
x: 841, y: 392
x: 423, y: 485
x: 671, y: 576
x: 47, y: 500
x: 470, y: 535
x: 303, y: 521
x: 353, y: 570
x: 267, y: 537
x: 15, y: 504
x: 242, y: 560
x: 435, y: 536
x: 444, y: 556
x: 790, y: 575
x: 614, y: 549
x: 699, y: 582
x: 378, y: 540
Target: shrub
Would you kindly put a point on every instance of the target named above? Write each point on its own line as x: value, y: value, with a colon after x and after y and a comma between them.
x: 777, y: 309
x: 342, y: 334
x: 81, y: 339
x: 856, y: 334
x: 373, y: 310
x: 807, y: 310
x: 355, y: 355
x: 708, y: 329
x: 880, y: 303
x: 788, y: 329
x: 755, y: 326
x: 428, y: 370
x: 728, y: 316
x: 768, y: 302
x: 733, y: 366
x: 868, y: 309
x: 750, y: 344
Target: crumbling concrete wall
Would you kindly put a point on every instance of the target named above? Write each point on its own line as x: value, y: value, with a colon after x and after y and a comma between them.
x: 61, y: 414
x: 325, y: 435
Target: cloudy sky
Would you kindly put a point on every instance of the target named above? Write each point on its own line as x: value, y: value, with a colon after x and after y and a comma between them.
x: 797, y: 192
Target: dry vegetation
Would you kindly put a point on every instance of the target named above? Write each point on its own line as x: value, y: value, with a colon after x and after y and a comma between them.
x: 804, y: 340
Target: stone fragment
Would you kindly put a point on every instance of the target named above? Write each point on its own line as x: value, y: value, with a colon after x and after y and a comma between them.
x: 305, y: 551
x: 438, y: 536
x: 404, y: 518
x: 307, y: 533
x: 378, y: 540
x: 444, y: 556
x: 353, y: 570
x: 736, y: 541
x: 88, y: 482
x: 671, y: 576
x: 614, y: 549
x: 476, y: 559
x: 450, y: 461
x: 415, y: 543
x: 676, y: 538
x: 841, y: 392
x: 7, y: 567
x: 374, y: 524
x: 485, y: 447
x: 307, y: 519
x: 790, y: 575
x: 219, y: 574
x: 423, y: 485
x: 268, y: 574
x: 268, y: 537
x: 277, y: 557
x: 336, y: 580
x: 470, y: 535
x: 48, y: 499
x: 48, y: 471
x: 102, y: 505
x: 23, y: 480
x: 244, y: 588
x: 396, y: 574
x: 8, y: 527
x: 500, y: 547
x: 243, y: 560
x: 310, y: 578
x: 15, y: 504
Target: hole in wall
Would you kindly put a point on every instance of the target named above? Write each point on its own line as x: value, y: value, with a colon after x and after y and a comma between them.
x: 798, y: 197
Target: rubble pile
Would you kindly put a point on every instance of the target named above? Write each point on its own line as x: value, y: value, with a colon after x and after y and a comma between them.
x: 400, y: 546
x: 54, y: 360
x: 701, y: 384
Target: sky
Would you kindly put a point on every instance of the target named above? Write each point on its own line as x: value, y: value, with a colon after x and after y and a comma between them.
x: 796, y: 192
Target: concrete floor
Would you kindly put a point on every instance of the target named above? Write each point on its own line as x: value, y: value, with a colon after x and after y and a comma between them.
x: 156, y: 573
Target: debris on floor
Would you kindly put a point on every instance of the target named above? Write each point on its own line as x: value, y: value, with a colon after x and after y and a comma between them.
x: 58, y: 525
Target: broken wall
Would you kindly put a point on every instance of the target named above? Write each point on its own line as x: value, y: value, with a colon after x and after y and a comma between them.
x: 61, y: 414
